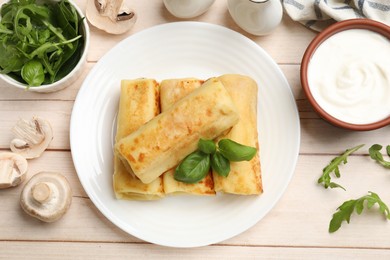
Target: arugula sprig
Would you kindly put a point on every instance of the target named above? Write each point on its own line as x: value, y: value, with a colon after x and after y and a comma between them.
x: 348, y: 207
x: 376, y: 155
x: 197, y: 164
x: 333, y: 166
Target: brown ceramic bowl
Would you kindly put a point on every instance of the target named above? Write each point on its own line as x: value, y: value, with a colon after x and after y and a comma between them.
x: 320, y: 38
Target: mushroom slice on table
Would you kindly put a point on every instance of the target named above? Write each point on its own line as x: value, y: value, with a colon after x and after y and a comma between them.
x: 13, y: 168
x: 32, y: 137
x: 46, y: 196
x: 112, y: 16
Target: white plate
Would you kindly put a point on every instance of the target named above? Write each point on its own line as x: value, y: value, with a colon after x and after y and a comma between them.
x: 175, y: 50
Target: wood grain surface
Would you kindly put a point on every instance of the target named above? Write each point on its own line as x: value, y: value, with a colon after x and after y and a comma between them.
x: 296, y: 228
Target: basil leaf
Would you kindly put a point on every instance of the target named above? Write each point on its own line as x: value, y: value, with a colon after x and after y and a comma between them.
x: 207, y: 146
x: 220, y: 164
x: 10, y: 60
x: 32, y: 72
x: 193, y: 168
x: 236, y: 152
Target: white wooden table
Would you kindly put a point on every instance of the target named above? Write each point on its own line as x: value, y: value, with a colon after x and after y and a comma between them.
x: 296, y: 228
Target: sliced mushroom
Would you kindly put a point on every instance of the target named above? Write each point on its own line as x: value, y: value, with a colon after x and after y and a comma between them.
x: 46, y: 196
x: 112, y: 16
x: 32, y: 137
x: 13, y: 168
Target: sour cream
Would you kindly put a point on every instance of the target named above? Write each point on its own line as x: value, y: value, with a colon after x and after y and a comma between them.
x: 349, y: 76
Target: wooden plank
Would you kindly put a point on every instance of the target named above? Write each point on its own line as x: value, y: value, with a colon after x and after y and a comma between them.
x: 56, y: 112
x: 320, y: 137
x: 300, y: 218
x: 64, y: 250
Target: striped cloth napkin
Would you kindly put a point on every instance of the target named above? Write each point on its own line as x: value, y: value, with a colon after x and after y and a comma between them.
x: 318, y: 14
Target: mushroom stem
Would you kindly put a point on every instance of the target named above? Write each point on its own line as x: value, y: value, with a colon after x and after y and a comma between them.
x: 123, y: 16
x: 6, y: 167
x: 13, y: 168
x: 41, y: 192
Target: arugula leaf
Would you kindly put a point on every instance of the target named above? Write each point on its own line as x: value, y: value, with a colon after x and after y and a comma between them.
x: 376, y: 155
x: 333, y: 166
x: 348, y: 207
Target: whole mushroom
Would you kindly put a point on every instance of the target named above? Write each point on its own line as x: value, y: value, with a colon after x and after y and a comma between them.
x: 112, y: 16
x: 46, y: 196
x: 13, y: 168
x: 31, y: 137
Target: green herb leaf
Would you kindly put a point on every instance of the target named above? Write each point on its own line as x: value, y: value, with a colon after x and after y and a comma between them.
x: 333, y: 166
x: 375, y: 154
x: 220, y: 164
x: 46, y: 32
x: 193, y: 168
x: 235, y: 152
x: 32, y: 73
x: 347, y: 208
x: 207, y: 146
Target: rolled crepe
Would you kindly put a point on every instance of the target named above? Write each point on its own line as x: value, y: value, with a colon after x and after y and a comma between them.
x: 244, y: 177
x: 164, y: 141
x: 171, y: 91
x: 139, y: 102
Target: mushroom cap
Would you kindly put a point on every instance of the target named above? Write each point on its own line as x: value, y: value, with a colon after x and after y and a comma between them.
x: 46, y: 196
x: 13, y: 168
x: 31, y: 137
x: 114, y: 19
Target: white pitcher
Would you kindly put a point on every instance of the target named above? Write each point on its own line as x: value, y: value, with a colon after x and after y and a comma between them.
x: 187, y: 8
x: 258, y: 17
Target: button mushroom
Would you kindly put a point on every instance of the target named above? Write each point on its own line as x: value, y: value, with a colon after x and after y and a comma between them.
x: 46, y: 196
x: 112, y: 16
x: 13, y: 168
x: 32, y: 137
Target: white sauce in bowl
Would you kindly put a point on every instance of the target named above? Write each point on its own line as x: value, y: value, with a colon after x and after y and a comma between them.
x: 349, y: 76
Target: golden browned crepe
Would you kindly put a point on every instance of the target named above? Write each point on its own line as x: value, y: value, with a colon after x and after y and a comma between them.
x: 139, y: 102
x: 244, y: 177
x: 164, y: 141
x: 171, y: 91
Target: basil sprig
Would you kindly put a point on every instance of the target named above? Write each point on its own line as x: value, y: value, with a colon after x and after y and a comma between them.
x: 197, y: 164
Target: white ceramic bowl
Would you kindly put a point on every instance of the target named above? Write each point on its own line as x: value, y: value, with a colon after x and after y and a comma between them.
x: 68, y: 79
x: 325, y: 113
